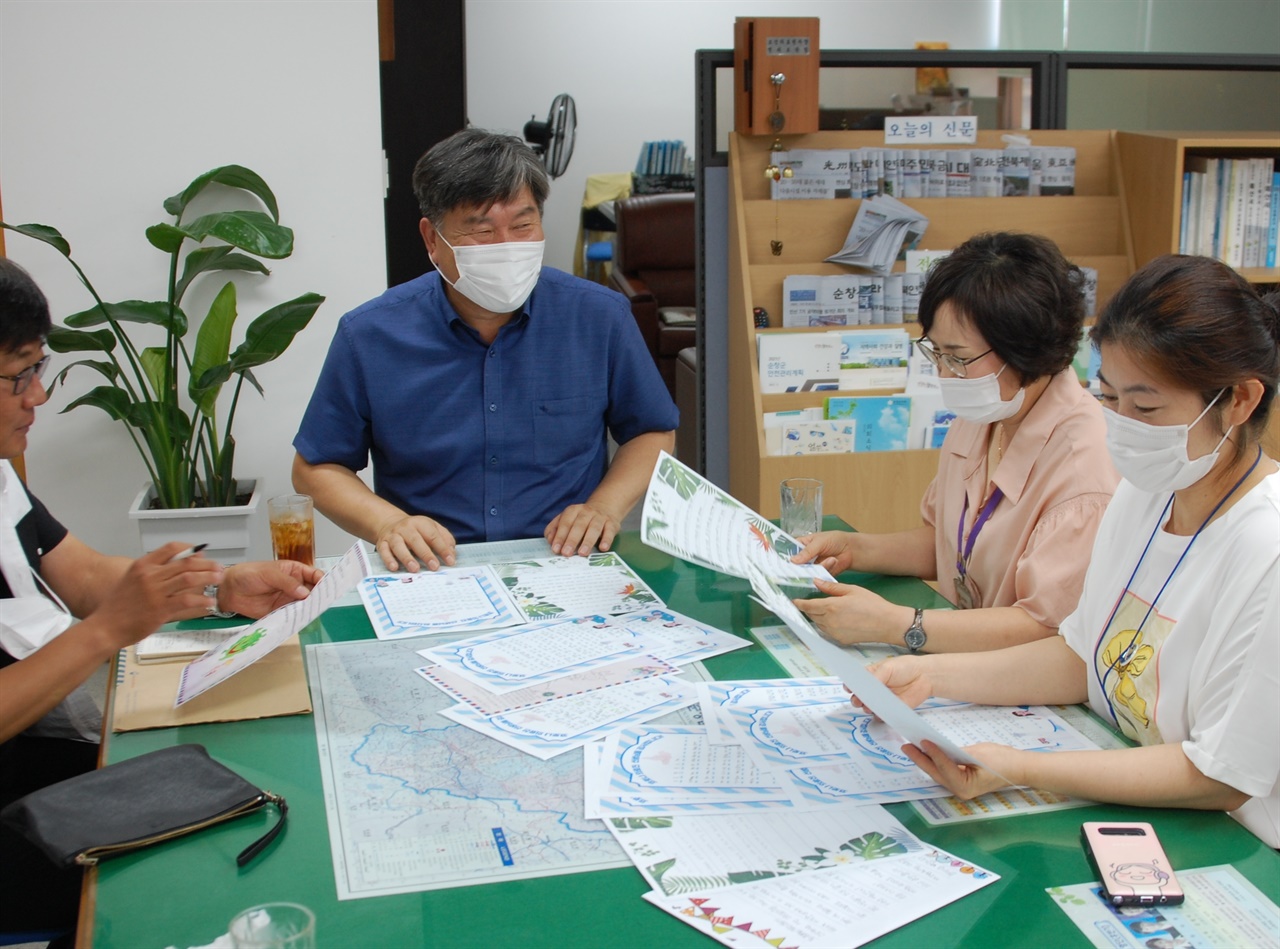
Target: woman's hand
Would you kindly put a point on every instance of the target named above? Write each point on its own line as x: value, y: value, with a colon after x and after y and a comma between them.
x: 965, y: 781
x: 831, y: 549
x: 905, y: 677
x: 851, y: 614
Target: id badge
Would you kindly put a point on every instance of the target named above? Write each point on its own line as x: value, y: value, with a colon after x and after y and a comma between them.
x: 968, y: 596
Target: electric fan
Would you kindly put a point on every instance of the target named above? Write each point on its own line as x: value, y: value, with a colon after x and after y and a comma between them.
x: 553, y: 139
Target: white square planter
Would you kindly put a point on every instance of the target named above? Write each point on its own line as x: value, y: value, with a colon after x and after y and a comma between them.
x: 226, y: 530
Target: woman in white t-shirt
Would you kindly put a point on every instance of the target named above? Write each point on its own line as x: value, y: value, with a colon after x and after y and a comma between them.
x: 1176, y: 639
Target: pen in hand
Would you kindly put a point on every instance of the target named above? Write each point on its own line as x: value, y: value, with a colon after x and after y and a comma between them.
x: 189, y: 552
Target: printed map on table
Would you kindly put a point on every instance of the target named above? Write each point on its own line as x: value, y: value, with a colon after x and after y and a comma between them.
x: 417, y: 802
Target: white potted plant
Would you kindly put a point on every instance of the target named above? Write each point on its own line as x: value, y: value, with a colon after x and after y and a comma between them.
x: 166, y: 395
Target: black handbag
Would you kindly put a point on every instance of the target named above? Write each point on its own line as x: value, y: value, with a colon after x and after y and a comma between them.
x: 136, y: 803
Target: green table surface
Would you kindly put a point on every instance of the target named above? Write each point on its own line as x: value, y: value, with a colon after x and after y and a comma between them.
x: 183, y: 893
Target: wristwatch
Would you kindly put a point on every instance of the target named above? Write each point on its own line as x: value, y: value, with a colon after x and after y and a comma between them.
x: 212, y: 611
x: 915, y: 636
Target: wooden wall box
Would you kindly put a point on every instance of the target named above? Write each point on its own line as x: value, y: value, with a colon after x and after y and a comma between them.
x: 763, y: 47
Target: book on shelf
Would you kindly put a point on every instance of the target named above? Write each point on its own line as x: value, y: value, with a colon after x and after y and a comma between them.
x: 798, y: 362
x: 816, y: 437
x: 881, y: 422
x: 1227, y: 209
x: 816, y: 173
x: 871, y: 359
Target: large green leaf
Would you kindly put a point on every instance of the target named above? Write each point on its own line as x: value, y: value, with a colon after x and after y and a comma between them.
x: 42, y: 232
x: 252, y: 231
x: 133, y: 311
x: 272, y: 332
x: 115, y: 402
x: 207, y: 259
x: 166, y: 237
x: 213, y: 347
x: 154, y: 360
x: 63, y: 340
x: 233, y: 176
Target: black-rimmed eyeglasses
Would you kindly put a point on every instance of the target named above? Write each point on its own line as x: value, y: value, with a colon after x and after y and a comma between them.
x: 955, y: 364
x: 22, y: 380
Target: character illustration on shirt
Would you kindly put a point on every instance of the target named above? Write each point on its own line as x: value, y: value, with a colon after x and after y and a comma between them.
x: 1128, y: 656
x: 1127, y: 666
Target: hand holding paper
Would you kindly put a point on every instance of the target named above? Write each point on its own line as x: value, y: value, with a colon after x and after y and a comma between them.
x: 872, y: 694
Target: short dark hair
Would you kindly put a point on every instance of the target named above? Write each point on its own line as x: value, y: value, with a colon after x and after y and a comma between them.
x: 476, y: 168
x: 1019, y: 292
x: 1197, y: 324
x: 24, y: 312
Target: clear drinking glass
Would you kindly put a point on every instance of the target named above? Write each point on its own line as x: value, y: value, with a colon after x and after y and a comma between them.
x: 801, y: 506
x: 273, y: 926
x: 293, y: 528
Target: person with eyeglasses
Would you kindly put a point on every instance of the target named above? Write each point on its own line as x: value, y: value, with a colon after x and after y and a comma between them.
x: 1176, y: 638
x: 65, y: 609
x: 1023, y: 474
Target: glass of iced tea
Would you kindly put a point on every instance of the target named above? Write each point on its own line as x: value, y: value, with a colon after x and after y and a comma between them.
x: 293, y: 528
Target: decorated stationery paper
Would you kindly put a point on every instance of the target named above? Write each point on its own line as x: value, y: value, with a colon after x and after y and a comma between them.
x: 869, y: 690
x: 877, y: 770
x: 836, y: 909
x: 511, y: 659
x: 484, y: 594
x: 575, y: 586
x: 656, y: 769
x: 760, y: 693
x: 679, y: 638
x: 1223, y: 910
x: 553, y: 728
x: 481, y: 700
x: 451, y: 599
x: 688, y: 517
x: 250, y: 643
x: 685, y: 852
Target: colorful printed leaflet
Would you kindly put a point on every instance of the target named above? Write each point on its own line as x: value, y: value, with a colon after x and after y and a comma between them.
x: 249, y: 644
x: 688, y: 517
x: 842, y: 907
x: 684, y: 852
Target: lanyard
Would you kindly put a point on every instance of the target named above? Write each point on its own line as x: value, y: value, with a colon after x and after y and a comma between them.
x: 962, y: 559
x: 1127, y: 653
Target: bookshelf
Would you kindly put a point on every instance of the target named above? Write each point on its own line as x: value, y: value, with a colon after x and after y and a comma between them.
x: 1152, y: 164
x: 880, y: 491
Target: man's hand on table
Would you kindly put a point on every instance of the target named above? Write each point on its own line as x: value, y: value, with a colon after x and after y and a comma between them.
x: 405, y: 541
x: 579, y: 528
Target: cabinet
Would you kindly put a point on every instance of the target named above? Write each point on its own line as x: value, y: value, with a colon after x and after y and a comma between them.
x: 880, y: 491
x: 1152, y: 165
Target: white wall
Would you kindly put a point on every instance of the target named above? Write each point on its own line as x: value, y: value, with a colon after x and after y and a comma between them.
x: 629, y: 64
x: 109, y: 106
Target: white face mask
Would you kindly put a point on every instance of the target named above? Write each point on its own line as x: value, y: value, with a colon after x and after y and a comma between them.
x: 978, y: 400
x: 496, y: 277
x: 1154, y: 457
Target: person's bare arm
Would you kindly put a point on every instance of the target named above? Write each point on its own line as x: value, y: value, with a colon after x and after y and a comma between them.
x: 851, y: 614
x: 402, y: 539
x: 151, y: 591
x: 580, y: 527
x: 80, y: 575
x: 1151, y: 776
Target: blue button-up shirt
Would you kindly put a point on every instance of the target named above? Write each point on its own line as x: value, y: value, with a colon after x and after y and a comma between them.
x: 492, y: 441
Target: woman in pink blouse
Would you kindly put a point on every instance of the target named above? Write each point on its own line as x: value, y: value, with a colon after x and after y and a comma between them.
x: 1023, y: 476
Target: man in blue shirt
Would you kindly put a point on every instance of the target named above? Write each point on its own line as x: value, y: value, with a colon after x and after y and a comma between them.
x: 483, y: 391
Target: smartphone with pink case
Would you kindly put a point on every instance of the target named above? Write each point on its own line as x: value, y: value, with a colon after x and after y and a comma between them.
x: 1131, y: 864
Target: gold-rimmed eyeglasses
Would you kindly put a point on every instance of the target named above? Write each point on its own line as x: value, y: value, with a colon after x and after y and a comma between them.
x: 957, y: 365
